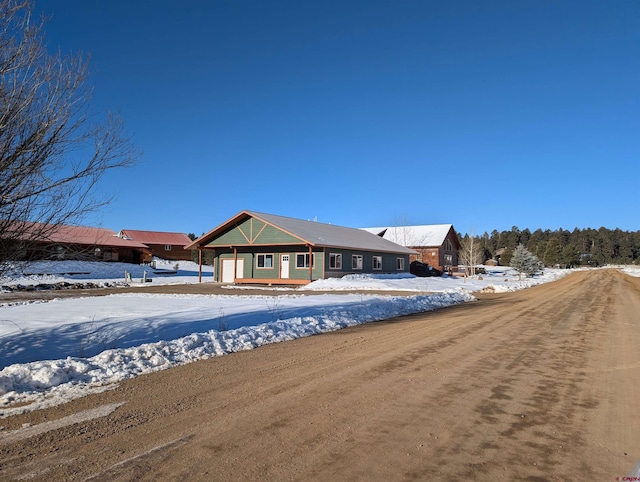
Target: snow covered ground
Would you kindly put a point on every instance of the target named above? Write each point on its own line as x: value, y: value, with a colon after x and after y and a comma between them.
x: 631, y: 270
x: 55, y: 351
x: 104, y: 272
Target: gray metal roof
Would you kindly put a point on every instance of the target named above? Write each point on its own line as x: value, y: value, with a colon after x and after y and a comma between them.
x: 330, y: 235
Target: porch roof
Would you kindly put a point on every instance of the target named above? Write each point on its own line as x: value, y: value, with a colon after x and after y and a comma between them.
x: 312, y: 233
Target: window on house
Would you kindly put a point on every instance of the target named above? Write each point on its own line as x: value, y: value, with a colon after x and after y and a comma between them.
x: 302, y: 260
x: 448, y: 260
x: 264, y: 261
x: 377, y: 262
x: 400, y: 264
x: 167, y: 247
x: 356, y: 261
x: 335, y: 261
x: 447, y: 245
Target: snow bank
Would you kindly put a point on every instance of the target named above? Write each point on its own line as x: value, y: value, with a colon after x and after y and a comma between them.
x: 499, y: 279
x: 37, y: 272
x: 64, y: 349
x: 74, y: 377
x: 401, y: 282
x: 632, y: 271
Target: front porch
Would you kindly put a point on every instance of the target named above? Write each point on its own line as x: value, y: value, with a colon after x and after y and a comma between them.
x: 271, y: 281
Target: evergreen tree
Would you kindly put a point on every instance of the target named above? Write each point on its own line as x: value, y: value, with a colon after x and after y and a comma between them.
x: 525, y: 236
x: 535, y: 239
x: 505, y: 259
x: 525, y: 262
x: 589, y: 247
x: 552, y: 253
x: 570, y: 256
x: 539, y: 249
x: 513, y: 237
x: 494, y: 242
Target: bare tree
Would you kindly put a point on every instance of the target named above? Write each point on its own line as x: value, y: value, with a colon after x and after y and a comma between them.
x: 406, y: 234
x: 471, y: 254
x: 52, y: 152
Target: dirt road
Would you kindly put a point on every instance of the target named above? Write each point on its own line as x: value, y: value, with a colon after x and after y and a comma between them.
x: 542, y: 384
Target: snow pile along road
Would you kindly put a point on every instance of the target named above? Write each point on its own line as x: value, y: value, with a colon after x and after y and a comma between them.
x: 52, y: 381
x: 63, y: 349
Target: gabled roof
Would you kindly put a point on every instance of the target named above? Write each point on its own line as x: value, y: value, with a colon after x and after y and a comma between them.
x: 78, y: 235
x: 430, y: 235
x: 156, y: 237
x: 311, y: 233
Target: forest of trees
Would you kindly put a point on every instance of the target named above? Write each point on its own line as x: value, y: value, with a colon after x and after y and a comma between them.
x: 580, y: 247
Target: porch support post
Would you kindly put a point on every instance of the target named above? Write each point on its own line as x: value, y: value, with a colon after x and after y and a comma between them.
x: 199, y: 265
x: 214, y: 265
x: 310, y: 263
x: 235, y: 263
x: 324, y: 264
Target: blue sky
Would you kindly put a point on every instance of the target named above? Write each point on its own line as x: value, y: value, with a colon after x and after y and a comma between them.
x: 366, y: 113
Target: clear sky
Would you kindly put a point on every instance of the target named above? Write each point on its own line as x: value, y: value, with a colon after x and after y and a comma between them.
x: 484, y: 114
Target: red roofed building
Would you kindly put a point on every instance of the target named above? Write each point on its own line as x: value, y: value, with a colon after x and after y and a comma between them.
x: 41, y: 241
x: 163, y: 245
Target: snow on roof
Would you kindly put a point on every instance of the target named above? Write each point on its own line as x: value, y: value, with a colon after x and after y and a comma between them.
x: 157, y: 237
x: 413, y: 236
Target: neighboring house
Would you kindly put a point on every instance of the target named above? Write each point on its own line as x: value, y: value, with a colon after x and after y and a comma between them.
x: 436, y: 244
x: 264, y: 248
x: 41, y: 241
x: 163, y: 245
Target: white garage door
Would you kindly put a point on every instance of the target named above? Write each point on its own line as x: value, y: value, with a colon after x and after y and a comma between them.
x: 227, y: 270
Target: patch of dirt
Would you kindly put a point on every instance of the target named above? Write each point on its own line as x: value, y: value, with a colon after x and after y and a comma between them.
x: 196, y: 288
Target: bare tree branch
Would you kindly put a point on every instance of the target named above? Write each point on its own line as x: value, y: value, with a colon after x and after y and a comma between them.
x: 53, y: 153
x: 471, y: 254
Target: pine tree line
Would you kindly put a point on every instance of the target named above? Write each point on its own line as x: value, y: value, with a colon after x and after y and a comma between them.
x: 580, y: 247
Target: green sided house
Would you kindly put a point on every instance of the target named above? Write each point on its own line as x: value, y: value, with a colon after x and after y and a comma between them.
x: 264, y: 248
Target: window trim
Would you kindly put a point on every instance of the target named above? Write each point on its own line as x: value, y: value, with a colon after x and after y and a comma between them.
x: 338, y: 260
x: 400, y: 264
x: 449, y: 258
x: 354, y: 264
x: 375, y: 266
x: 167, y: 247
x: 264, y: 256
x: 313, y: 261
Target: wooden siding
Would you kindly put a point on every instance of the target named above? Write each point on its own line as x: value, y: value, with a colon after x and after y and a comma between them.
x: 61, y: 251
x: 430, y: 256
x: 389, y: 261
x: 434, y: 255
x: 252, y: 272
x: 253, y: 232
x: 245, y: 238
x: 176, y: 253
